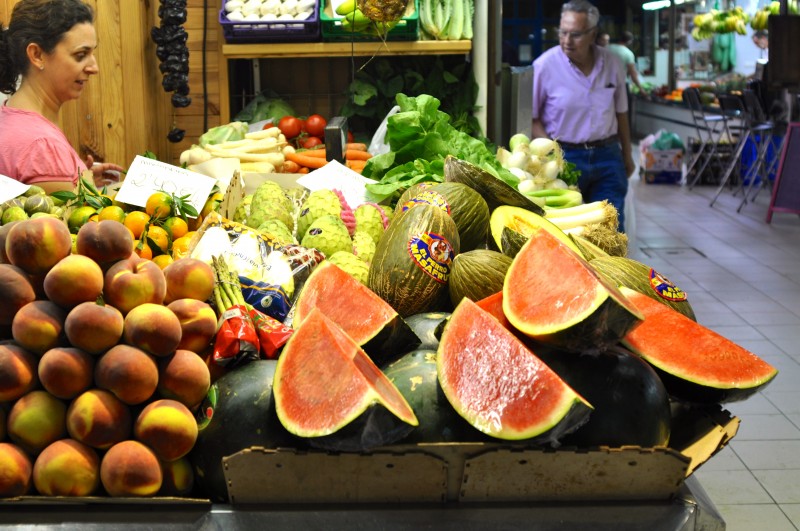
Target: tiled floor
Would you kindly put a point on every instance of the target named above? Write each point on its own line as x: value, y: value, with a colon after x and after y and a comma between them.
x: 742, y: 276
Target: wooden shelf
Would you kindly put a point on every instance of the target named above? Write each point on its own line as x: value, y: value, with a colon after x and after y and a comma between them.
x: 343, y: 49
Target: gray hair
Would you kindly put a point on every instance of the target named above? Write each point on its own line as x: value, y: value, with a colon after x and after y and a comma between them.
x: 583, y: 6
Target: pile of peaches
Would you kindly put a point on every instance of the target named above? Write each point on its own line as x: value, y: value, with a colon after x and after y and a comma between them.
x: 101, y: 362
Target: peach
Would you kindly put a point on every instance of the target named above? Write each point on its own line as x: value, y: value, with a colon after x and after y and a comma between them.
x: 99, y: 419
x: 94, y: 327
x: 130, y: 468
x: 65, y: 372
x: 73, y: 280
x: 128, y: 372
x: 189, y: 278
x: 216, y: 370
x: 168, y: 428
x: 38, y: 244
x: 198, y: 324
x: 15, y: 471
x: 132, y: 282
x: 153, y: 328
x: 67, y: 468
x: 184, y: 377
x: 17, y: 372
x: 16, y: 291
x: 105, y: 242
x: 2, y: 424
x: 39, y: 326
x: 37, y: 420
x: 3, y: 235
x: 178, y: 478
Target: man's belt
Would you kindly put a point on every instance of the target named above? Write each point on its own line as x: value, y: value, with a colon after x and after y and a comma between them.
x: 613, y: 139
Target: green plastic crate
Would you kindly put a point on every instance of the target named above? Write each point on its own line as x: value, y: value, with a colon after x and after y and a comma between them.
x: 407, y: 28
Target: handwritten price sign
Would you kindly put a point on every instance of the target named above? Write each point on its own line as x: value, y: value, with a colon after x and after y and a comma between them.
x: 11, y: 188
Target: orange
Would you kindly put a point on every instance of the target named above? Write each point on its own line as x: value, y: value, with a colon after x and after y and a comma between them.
x: 111, y: 212
x: 159, y: 205
x: 159, y: 236
x: 176, y: 227
x: 143, y: 250
x: 163, y: 260
x: 180, y: 247
x: 136, y: 221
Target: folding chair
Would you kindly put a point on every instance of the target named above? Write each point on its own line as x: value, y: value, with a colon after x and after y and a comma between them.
x: 761, y: 128
x: 709, y: 127
x: 733, y: 108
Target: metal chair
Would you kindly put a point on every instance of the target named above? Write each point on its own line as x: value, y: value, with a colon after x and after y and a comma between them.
x: 709, y: 127
x: 762, y: 129
x: 733, y: 109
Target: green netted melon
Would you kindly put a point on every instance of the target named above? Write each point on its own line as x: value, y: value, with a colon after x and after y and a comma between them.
x: 365, y: 317
x: 428, y: 327
x: 644, y: 279
x: 496, y: 192
x: 410, y: 192
x: 415, y: 377
x: 523, y: 223
x: 696, y: 364
x: 554, y: 296
x: 466, y: 206
x: 511, y: 242
x: 329, y: 392
x: 589, y: 250
x: 413, y: 260
x: 500, y: 386
x: 477, y: 274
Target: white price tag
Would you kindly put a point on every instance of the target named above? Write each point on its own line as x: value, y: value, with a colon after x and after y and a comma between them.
x: 336, y: 176
x: 11, y: 188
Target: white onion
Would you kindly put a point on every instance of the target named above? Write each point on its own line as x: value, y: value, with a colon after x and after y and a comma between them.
x: 556, y: 184
x: 527, y: 186
x: 551, y: 169
x: 542, y: 147
x: 520, y: 174
x: 518, y: 159
x: 233, y: 5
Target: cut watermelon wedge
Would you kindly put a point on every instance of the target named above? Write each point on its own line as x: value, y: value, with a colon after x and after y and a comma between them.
x: 499, y: 386
x: 329, y: 391
x: 363, y: 315
x: 695, y: 363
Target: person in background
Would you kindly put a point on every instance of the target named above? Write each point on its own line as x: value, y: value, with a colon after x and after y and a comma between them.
x: 761, y: 40
x: 603, y: 39
x: 46, y: 59
x: 579, y: 100
x: 622, y: 49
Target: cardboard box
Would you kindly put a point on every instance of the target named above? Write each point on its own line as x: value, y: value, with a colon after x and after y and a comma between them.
x: 479, y: 472
x: 662, y: 177
x: 667, y: 160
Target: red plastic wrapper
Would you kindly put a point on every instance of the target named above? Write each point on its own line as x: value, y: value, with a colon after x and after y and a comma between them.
x: 237, y: 340
x: 272, y: 334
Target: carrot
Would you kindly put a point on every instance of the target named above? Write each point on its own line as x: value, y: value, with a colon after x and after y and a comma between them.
x: 356, y: 145
x: 305, y: 160
x: 356, y: 165
x: 290, y: 166
x: 355, y: 154
x: 302, y: 169
x: 318, y: 153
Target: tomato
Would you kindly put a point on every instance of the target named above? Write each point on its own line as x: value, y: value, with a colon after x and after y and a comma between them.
x: 290, y: 126
x: 315, y: 125
x: 350, y: 137
x: 311, y: 141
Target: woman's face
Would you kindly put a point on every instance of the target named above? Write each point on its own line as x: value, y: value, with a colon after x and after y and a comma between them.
x: 72, y: 62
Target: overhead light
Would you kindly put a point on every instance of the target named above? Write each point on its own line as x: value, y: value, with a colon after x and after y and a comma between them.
x: 658, y: 4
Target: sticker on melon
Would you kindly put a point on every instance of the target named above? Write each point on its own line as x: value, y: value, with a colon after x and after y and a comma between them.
x: 329, y: 391
x: 365, y: 317
x: 499, y: 386
x: 554, y: 296
x: 695, y: 363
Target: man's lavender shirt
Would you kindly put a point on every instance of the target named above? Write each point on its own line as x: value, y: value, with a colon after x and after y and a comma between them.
x: 575, y: 108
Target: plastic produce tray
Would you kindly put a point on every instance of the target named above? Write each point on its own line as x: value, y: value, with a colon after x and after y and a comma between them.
x: 271, y: 31
x: 407, y: 28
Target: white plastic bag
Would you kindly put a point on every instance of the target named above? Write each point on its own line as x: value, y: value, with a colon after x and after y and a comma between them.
x: 378, y: 145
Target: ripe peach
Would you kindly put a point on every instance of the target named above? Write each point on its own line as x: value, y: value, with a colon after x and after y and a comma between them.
x: 15, y: 471
x: 17, y: 372
x: 130, y: 468
x: 132, y: 282
x: 178, y: 478
x: 65, y: 372
x: 38, y: 244
x: 67, y: 468
x: 39, y: 326
x: 128, y: 372
x: 3, y: 235
x: 168, y: 428
x: 99, y: 419
x: 36, y: 420
x: 16, y: 291
x: 105, y: 242
x: 153, y: 328
x: 94, y: 327
x: 184, y: 377
x: 73, y: 280
x: 198, y: 324
x: 189, y: 278
x: 216, y: 370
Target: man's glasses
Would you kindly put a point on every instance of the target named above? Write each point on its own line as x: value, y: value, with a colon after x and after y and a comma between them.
x: 574, y: 35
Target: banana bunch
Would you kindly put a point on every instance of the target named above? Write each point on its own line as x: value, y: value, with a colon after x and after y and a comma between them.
x: 357, y: 22
x: 715, y: 21
x: 759, y: 20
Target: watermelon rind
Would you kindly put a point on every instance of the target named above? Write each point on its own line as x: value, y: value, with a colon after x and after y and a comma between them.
x: 427, y: 326
x: 696, y: 364
x: 499, y: 386
x: 330, y: 392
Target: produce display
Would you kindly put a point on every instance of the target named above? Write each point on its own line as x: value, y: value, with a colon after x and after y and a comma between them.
x: 268, y: 10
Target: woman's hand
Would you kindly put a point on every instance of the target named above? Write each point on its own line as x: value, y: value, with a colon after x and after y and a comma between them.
x: 104, y: 172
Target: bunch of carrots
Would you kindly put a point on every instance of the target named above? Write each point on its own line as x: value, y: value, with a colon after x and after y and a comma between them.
x: 303, y: 161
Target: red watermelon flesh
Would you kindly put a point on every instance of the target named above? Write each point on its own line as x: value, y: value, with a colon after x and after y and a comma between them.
x: 325, y: 383
x: 494, y: 305
x: 363, y: 315
x: 498, y: 385
x: 695, y: 363
x: 552, y: 294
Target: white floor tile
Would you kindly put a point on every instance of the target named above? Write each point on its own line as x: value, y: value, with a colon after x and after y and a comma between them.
x: 782, y: 485
x: 752, y: 517
x: 792, y: 511
x: 768, y: 455
x: 732, y: 486
x: 766, y: 427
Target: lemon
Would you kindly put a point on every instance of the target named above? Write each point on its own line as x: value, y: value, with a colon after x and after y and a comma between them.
x: 79, y: 217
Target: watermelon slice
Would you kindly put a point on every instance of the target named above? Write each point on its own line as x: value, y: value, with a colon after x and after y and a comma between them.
x: 328, y: 390
x: 363, y: 315
x: 554, y: 296
x: 499, y: 386
x: 695, y: 363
